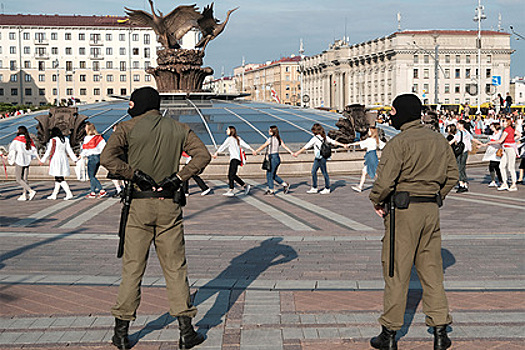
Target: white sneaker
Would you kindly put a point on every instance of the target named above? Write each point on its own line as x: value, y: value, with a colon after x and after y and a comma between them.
x: 52, y: 197
x: 325, y: 191
x: 22, y: 198
x: 513, y: 188
x: 229, y: 193
x: 205, y: 192
x: 493, y: 184
x: 312, y: 190
x: 503, y: 187
x: 357, y: 189
x: 247, y: 189
x: 68, y: 197
x: 32, y: 194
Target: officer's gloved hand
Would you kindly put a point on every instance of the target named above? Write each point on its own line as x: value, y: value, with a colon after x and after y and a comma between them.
x: 144, y: 181
x: 171, y: 183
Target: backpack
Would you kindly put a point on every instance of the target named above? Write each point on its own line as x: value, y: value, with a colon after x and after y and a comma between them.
x: 325, y: 150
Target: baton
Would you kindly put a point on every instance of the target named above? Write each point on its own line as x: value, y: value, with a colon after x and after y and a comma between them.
x: 392, y: 236
x: 126, y: 201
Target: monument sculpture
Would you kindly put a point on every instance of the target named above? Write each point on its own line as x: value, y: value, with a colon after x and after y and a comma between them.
x: 180, y: 69
x: 67, y: 120
x: 355, y: 119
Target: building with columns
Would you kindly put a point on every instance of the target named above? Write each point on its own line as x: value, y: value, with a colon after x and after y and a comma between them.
x: 90, y: 58
x: 376, y: 71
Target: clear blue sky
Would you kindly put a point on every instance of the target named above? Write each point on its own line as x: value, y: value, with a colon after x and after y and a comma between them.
x: 267, y: 30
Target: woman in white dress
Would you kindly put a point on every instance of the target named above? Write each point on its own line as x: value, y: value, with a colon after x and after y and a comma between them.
x: 58, y: 149
x: 21, y: 151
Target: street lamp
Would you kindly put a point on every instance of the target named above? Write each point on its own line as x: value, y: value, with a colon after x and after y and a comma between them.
x: 480, y: 15
x: 517, y: 34
x: 58, y: 82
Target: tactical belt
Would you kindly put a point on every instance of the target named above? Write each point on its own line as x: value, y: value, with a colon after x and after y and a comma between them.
x: 419, y: 199
x: 152, y: 194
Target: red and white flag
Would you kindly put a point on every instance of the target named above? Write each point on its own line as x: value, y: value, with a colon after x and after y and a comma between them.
x: 275, y: 96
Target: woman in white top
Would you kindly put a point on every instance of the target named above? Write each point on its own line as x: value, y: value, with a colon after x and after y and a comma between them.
x: 319, y: 161
x: 370, y: 144
x: 491, y: 156
x: 463, y: 136
x: 21, y: 151
x: 92, y: 146
x: 58, y: 149
x: 235, y: 144
x: 273, y: 143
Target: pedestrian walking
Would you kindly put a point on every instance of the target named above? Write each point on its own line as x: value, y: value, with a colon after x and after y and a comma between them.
x: 318, y: 141
x: 464, y: 137
x: 235, y: 146
x: 154, y: 146
x: 92, y: 147
x: 21, y: 151
x: 272, y: 145
x: 508, y: 103
x: 198, y: 180
x: 508, y: 159
x: 493, y: 156
x: 371, y: 144
x: 57, y: 150
x: 417, y: 170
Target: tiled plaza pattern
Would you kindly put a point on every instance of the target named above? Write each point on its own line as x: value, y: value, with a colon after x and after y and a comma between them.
x: 295, y: 272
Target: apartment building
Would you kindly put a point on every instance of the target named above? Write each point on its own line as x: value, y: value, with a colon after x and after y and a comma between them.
x: 44, y: 58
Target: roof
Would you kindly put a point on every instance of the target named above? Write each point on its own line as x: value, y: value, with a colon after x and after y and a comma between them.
x: 292, y: 59
x: 449, y: 32
x: 62, y: 21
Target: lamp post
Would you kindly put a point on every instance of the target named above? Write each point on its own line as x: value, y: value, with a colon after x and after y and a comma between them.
x: 58, y: 82
x: 480, y: 15
x: 437, y: 66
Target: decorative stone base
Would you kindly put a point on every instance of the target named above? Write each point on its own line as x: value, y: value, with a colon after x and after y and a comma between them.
x: 179, y: 70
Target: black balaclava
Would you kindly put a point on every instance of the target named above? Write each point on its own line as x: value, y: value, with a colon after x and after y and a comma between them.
x: 145, y: 99
x: 408, y: 108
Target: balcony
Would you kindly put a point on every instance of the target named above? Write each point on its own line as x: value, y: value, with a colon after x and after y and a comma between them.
x: 96, y: 56
x: 42, y: 56
x: 41, y: 42
x: 96, y: 43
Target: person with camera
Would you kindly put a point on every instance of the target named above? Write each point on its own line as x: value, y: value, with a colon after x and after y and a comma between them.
x: 416, y: 171
x: 154, y: 145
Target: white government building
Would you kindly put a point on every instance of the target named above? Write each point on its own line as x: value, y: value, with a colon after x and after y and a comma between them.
x: 374, y: 72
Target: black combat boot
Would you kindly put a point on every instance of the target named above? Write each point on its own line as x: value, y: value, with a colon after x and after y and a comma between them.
x: 384, y: 341
x: 188, y: 337
x: 441, y: 339
x: 120, y: 338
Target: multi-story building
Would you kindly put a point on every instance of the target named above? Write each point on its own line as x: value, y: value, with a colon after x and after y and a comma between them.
x: 517, y: 90
x: 224, y: 85
x: 44, y: 58
x: 271, y: 82
x: 374, y: 72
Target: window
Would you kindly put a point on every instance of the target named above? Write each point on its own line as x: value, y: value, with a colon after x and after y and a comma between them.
x: 12, y: 50
x: 426, y: 59
x: 42, y: 77
x: 81, y: 36
x: 26, y: 36
x: 147, y: 53
x: 96, y: 66
x: 416, y: 59
x: 426, y: 74
x: 95, y: 52
x: 109, y: 64
x: 69, y: 65
x: 489, y: 58
x: 68, y: 36
x: 488, y: 73
x: 458, y: 73
x: 109, y: 51
x: 96, y: 77
x: 27, y: 50
x: 69, y: 77
x: 27, y: 64
x: 69, y: 51
x: 146, y: 39
x: 69, y: 92
x: 14, y: 77
x: 447, y: 101
x: 122, y: 37
x: 83, y: 92
x: 82, y: 77
x: 447, y: 88
x: 122, y: 51
x: 458, y: 59
x: 135, y: 51
x: 12, y: 36
x: 136, y: 65
x: 41, y: 65
x: 123, y: 92
x: 109, y: 78
x: 135, y: 37
x: 42, y: 92
x: 82, y: 51
x: 146, y: 64
x: 415, y: 88
x: 122, y: 66
x: 467, y: 73
x: 14, y: 92
x: 416, y: 74
x: 457, y: 89
x: 96, y: 91
x: 136, y: 77
x: 28, y: 92
x: 109, y: 37
x: 54, y: 50
x: 447, y: 58
x: 54, y: 77
x: 1, y: 92
x: 82, y: 64
x: 147, y: 77
x: 122, y: 78
x: 55, y: 92
x: 110, y: 91
x: 54, y: 36
x: 27, y: 78
x: 467, y: 58
x: 488, y: 88
x: 425, y: 88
